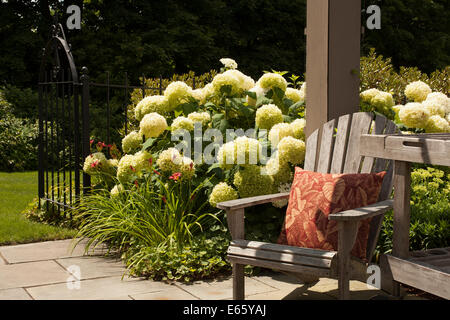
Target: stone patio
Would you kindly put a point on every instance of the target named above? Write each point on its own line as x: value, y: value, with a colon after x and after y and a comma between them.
x: 50, y: 271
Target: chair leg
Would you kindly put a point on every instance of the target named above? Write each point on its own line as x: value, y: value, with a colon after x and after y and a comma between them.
x: 238, y: 282
x: 347, y: 237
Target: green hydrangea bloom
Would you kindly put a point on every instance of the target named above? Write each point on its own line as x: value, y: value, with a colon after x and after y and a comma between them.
x: 222, y: 192
x: 126, y: 168
x: 270, y: 80
x: 186, y: 167
x: 131, y: 142
x: 267, y: 116
x: 298, y: 127
x: 280, y: 171
x: 291, y: 150
x: 251, y: 182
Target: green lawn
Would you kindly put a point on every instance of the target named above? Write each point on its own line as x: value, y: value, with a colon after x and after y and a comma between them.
x: 18, y: 189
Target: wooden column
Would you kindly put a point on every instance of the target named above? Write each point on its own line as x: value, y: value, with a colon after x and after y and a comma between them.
x: 333, y: 29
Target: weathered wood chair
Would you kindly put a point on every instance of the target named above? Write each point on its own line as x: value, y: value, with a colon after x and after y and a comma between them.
x: 327, y: 151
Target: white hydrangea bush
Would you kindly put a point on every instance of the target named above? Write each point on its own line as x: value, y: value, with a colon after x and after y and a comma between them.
x: 423, y: 111
x: 231, y: 100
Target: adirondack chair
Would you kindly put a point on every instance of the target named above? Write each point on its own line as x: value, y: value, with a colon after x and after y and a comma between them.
x: 327, y: 151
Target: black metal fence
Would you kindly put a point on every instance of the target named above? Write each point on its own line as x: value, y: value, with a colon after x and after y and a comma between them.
x: 65, y: 122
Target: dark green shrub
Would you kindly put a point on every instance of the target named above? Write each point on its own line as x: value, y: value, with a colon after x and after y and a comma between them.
x: 24, y: 101
x: 18, y: 140
x: 430, y: 208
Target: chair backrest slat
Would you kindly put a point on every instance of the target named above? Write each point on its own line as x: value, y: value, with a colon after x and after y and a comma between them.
x: 326, y: 147
x: 360, y: 124
x: 378, y: 128
x: 340, y: 146
x: 311, y: 151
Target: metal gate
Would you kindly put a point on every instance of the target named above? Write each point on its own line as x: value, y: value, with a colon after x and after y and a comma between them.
x: 63, y: 125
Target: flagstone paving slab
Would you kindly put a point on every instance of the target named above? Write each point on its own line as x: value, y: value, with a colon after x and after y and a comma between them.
x: 222, y: 289
x: 14, y: 294
x: 173, y: 293
x: 95, y: 289
x: 47, y: 250
x: 93, y: 267
x: 31, y: 274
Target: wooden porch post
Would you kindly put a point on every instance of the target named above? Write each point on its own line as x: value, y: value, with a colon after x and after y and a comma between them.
x: 333, y: 30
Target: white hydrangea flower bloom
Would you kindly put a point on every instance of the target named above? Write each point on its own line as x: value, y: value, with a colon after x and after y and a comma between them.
x: 222, y: 192
x: 282, y: 188
x: 298, y: 127
x: 152, y: 125
x: 226, y: 156
x: 270, y: 80
x: 267, y: 116
x: 259, y: 92
x: 199, y: 95
x: 131, y: 142
x: 176, y: 93
x: 182, y: 123
x: 95, y: 163
x: 413, y: 115
x: 383, y: 100
x: 439, y: 98
x: 280, y: 131
x: 118, y: 188
x: 367, y: 95
x: 437, y: 124
x: 126, y: 168
x: 158, y: 104
x: 295, y: 95
x: 229, y: 63
x: 226, y: 79
x: 291, y: 150
x: 203, y: 117
x: 435, y: 107
x: 169, y: 160
x: 417, y: 91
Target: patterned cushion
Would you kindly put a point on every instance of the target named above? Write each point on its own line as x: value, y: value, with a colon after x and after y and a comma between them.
x: 315, y: 195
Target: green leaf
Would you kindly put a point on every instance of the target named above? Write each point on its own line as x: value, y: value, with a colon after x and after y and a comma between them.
x: 148, y: 143
x: 251, y: 94
x: 226, y: 90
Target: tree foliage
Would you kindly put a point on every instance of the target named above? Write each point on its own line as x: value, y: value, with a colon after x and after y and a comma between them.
x: 166, y: 37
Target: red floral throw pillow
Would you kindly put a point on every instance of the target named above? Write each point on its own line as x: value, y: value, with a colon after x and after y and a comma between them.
x: 315, y: 195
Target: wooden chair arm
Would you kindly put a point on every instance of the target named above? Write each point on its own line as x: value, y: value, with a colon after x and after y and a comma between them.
x: 233, y: 205
x: 363, y: 212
